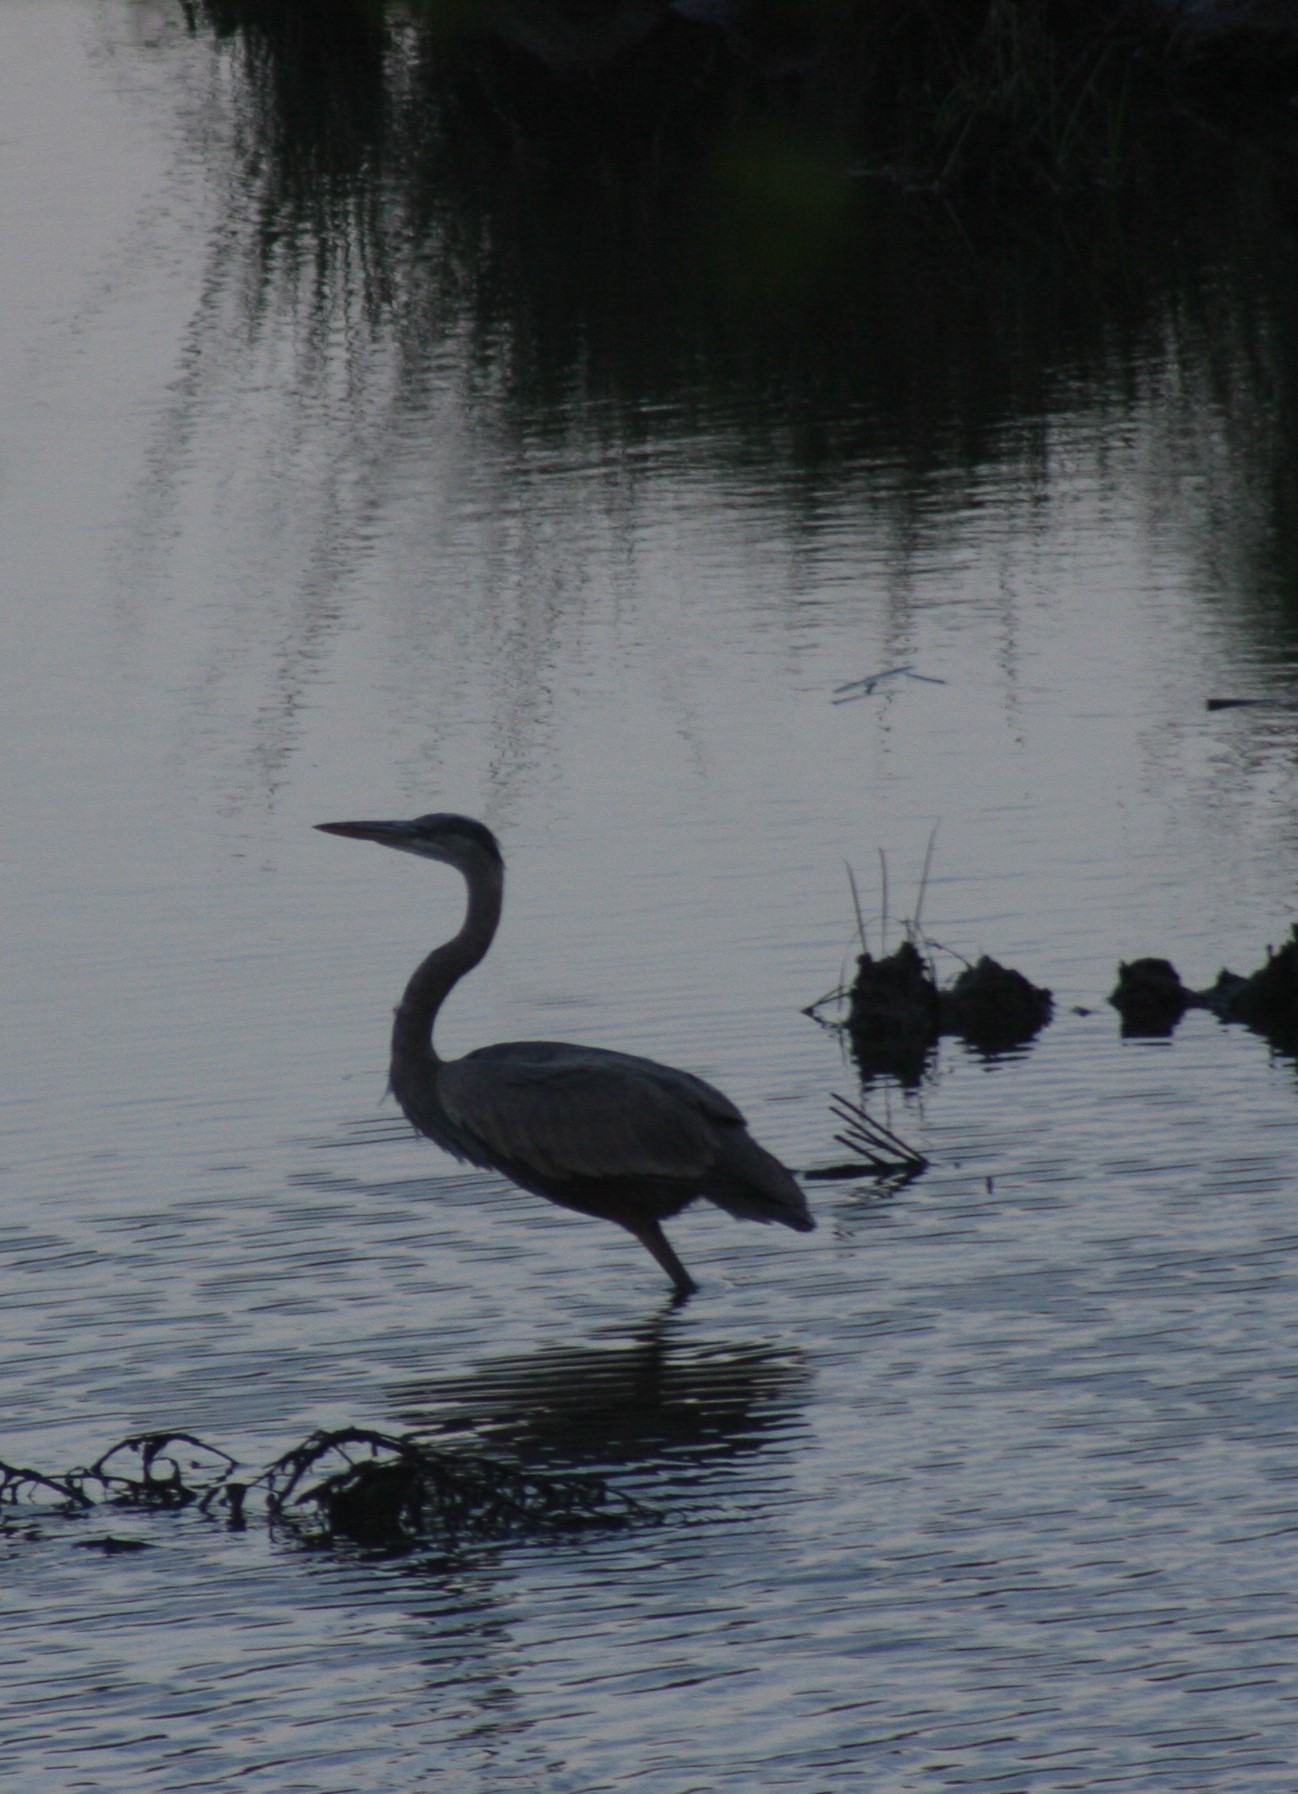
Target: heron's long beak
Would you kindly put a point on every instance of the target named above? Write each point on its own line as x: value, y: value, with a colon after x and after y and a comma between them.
x: 387, y: 834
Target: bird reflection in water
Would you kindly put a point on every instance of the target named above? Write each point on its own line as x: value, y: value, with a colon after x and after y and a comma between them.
x: 647, y: 1402
x: 605, y: 1133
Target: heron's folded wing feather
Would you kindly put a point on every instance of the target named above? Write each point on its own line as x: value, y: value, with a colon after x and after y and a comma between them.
x: 578, y: 1112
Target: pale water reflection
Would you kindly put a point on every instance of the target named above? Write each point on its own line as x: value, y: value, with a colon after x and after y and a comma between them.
x: 987, y: 1485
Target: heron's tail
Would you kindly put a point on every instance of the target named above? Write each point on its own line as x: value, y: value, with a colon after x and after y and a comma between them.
x: 750, y: 1183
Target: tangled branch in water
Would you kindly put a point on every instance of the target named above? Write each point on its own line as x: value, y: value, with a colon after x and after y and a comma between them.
x: 404, y: 1490
x: 373, y: 1488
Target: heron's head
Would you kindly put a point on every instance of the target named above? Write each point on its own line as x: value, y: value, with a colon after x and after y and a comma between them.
x: 457, y: 841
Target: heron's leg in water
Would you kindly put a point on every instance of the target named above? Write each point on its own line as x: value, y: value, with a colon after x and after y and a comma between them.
x: 653, y: 1239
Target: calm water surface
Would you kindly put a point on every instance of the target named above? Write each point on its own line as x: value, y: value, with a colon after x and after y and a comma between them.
x: 990, y: 1485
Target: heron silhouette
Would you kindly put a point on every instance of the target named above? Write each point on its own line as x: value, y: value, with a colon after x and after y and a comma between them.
x: 605, y: 1133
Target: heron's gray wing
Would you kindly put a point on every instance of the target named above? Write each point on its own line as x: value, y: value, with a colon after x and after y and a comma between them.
x: 579, y: 1112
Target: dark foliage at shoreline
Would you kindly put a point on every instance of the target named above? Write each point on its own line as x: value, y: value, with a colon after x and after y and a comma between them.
x: 728, y: 226
x: 942, y: 94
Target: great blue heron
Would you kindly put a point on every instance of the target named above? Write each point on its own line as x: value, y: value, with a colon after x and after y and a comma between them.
x: 605, y: 1133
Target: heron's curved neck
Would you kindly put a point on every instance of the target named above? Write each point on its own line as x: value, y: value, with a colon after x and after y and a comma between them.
x: 432, y: 982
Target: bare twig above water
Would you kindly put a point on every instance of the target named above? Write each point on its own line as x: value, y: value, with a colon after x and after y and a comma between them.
x: 837, y: 995
x: 856, y: 905
x: 875, y: 1148
x: 866, y: 688
x: 916, y: 923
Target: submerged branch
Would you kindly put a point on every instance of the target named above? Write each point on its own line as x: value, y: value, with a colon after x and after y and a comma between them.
x: 373, y: 1488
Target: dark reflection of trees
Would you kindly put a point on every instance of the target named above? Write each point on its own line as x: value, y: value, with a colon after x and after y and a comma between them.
x: 654, y: 1402
x: 668, y: 257
x: 677, y: 239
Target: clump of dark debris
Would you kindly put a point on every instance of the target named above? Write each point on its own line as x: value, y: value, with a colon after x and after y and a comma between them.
x: 1151, y: 999
x: 897, y: 1011
x: 993, y: 1008
x: 402, y: 1490
x: 893, y: 1013
x: 371, y: 1488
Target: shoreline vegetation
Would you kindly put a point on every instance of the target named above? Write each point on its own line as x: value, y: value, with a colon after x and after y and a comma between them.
x: 938, y: 95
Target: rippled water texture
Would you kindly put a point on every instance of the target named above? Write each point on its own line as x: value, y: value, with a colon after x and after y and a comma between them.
x: 345, y: 481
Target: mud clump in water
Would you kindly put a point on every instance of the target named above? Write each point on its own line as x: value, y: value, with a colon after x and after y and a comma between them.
x: 1151, y: 998
x: 994, y: 1008
x: 897, y: 1012
x: 1267, y: 1000
x: 894, y: 1014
